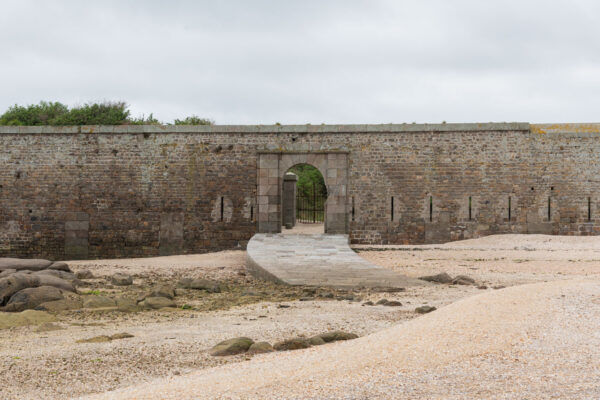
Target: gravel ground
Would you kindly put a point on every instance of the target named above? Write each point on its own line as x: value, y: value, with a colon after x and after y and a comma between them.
x: 171, y: 345
x: 532, y: 341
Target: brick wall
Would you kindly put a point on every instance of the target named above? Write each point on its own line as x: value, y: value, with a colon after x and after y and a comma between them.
x: 144, y: 191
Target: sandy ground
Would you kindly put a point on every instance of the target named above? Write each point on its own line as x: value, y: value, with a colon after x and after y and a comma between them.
x: 169, y: 344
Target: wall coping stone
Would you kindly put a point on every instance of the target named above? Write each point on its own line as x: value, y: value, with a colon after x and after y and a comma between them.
x: 236, y: 129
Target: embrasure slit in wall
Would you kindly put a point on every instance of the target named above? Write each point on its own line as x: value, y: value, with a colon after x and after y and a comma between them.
x: 509, y: 208
x: 392, y: 206
x: 430, y: 208
x: 252, y: 213
x: 352, y: 208
x: 589, y: 209
x: 222, y: 207
x: 470, y: 208
x: 549, y: 207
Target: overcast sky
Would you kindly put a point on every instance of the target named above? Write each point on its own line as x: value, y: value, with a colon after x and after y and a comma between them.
x: 249, y: 62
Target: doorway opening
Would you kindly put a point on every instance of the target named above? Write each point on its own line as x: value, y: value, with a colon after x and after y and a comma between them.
x: 303, y: 200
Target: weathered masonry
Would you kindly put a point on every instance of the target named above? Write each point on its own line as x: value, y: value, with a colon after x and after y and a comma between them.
x: 87, y: 192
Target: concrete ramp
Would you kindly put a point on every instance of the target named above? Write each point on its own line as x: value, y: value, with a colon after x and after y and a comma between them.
x: 317, y: 260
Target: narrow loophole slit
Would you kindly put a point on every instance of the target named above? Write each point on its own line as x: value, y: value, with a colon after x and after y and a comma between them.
x: 470, y: 208
x: 430, y: 208
x: 222, y: 207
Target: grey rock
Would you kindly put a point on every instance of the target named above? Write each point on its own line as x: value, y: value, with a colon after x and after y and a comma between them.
x: 127, y: 305
x: 61, y: 305
x: 49, y: 280
x: 21, y: 264
x: 30, y: 298
x: 14, y: 283
x: 60, y: 266
x: 424, y: 309
x: 368, y: 303
x: 84, y: 274
x: 157, y: 302
x: 199, y: 284
x: 260, y: 347
x: 393, y: 303
x: 98, y: 302
x: 337, y: 335
x: 292, y: 344
x: 439, y: 278
x: 7, y: 272
x: 120, y: 279
x: 463, y: 280
x: 165, y: 291
x: 316, y: 341
x: 382, y: 302
x: 389, y: 289
x: 231, y: 347
x: 68, y: 276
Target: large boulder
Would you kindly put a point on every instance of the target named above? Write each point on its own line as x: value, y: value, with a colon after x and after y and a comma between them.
x: 68, y: 276
x: 28, y: 299
x: 292, y: 344
x: 157, y: 302
x: 439, y: 278
x: 14, y: 283
x: 120, y: 279
x: 231, y: 347
x: 7, y: 272
x: 49, y: 280
x: 20, y: 264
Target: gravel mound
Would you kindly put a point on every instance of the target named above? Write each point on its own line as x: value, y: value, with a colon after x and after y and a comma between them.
x: 530, y: 341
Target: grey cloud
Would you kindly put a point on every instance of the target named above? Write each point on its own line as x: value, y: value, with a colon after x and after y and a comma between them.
x: 309, y: 61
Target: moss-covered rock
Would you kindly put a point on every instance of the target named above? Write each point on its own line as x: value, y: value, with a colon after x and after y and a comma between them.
x: 231, y: 347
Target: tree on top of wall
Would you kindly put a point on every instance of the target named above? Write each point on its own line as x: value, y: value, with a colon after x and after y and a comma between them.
x: 104, y: 113
x: 309, y: 177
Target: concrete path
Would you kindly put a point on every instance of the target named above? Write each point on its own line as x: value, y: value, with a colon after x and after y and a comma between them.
x: 317, y: 260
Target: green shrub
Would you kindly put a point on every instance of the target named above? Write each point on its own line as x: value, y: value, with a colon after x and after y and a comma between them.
x: 94, y: 114
x: 194, y: 120
x: 34, y: 114
x: 106, y: 113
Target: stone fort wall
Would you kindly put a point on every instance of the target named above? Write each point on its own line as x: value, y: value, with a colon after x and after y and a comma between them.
x: 128, y: 191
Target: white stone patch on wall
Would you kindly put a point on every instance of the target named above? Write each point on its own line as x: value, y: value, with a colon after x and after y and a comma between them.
x: 222, y: 209
x: 249, y: 211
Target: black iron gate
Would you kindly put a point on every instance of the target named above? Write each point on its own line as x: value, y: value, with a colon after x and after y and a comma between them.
x: 310, y: 209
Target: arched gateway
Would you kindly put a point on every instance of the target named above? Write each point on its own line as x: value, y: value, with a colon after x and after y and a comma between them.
x: 271, y: 168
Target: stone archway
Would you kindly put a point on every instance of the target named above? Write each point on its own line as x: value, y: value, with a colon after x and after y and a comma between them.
x: 272, y: 167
